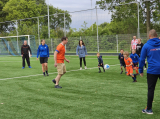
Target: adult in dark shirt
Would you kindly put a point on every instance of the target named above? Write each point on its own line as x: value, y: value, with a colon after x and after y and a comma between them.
x: 139, y: 47
x: 121, y: 59
x: 138, y: 50
x: 25, y: 54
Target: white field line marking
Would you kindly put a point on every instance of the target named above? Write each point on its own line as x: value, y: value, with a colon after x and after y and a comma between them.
x: 49, y: 73
x: 96, y: 58
x: 17, y: 61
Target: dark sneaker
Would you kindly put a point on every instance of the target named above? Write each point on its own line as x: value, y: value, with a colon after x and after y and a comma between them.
x: 121, y: 72
x: 147, y: 111
x: 135, y: 81
x: 57, y: 86
x: 54, y: 81
x: 99, y: 71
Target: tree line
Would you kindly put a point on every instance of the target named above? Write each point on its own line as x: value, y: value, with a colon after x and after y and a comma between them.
x: 124, y: 19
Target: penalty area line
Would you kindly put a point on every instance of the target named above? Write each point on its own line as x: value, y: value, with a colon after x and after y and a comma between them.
x: 49, y: 73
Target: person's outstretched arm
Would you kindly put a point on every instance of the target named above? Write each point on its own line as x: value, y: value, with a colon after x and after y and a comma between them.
x: 85, y: 50
x: 22, y: 51
x: 48, y: 51
x: 142, y: 59
x: 77, y: 50
x: 29, y: 50
x: 38, y: 51
x: 55, y: 58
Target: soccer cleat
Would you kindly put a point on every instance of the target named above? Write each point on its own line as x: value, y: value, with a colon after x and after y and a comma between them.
x: 80, y: 68
x: 47, y: 74
x: 121, y: 72
x: 104, y: 70
x: 85, y: 67
x: 135, y: 81
x: 57, y: 86
x: 23, y: 67
x: 99, y: 71
x: 30, y: 67
x: 54, y: 81
x: 147, y: 111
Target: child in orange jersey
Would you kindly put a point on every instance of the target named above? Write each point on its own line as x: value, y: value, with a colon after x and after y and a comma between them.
x: 129, y: 63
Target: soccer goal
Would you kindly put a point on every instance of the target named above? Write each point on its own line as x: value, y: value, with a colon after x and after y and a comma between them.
x: 11, y: 45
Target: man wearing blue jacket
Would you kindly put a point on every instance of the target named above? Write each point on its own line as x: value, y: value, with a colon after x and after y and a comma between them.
x: 151, y: 50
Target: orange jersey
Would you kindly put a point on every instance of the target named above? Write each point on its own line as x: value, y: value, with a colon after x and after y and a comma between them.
x: 61, y: 53
x: 128, y: 61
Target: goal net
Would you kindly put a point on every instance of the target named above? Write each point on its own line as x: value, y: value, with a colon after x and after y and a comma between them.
x: 11, y: 45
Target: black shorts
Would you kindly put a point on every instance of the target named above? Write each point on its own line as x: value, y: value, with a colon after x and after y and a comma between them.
x: 123, y: 64
x: 135, y: 64
x: 100, y: 65
x: 43, y: 60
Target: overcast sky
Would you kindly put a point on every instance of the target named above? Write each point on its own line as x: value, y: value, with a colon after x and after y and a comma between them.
x: 79, y: 17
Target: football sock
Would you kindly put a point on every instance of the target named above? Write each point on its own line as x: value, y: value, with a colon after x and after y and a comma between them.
x: 137, y: 71
x: 43, y: 73
x: 145, y: 66
x: 46, y: 72
x: 99, y: 69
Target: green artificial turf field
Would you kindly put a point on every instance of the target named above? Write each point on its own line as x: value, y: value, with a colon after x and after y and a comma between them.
x: 86, y: 94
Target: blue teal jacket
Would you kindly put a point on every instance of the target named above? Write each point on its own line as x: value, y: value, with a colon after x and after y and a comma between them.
x: 43, y: 50
x: 151, y: 50
x: 81, y: 51
x: 134, y: 57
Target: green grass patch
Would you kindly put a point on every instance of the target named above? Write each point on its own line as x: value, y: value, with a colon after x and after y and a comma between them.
x: 86, y: 94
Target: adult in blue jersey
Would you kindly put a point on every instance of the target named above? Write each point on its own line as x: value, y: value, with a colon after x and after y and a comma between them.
x: 151, y: 50
x: 82, y: 52
x: 43, y: 51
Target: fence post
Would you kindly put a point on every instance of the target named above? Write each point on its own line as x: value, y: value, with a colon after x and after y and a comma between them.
x: 8, y: 46
x: 51, y: 46
x: 117, y: 42
x: 97, y: 29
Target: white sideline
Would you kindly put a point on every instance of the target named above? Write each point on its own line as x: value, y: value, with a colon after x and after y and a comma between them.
x: 50, y: 73
x: 71, y: 58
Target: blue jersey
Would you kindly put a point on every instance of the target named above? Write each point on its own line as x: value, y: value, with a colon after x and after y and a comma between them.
x: 121, y: 58
x: 43, y: 50
x: 100, y: 60
x: 134, y: 57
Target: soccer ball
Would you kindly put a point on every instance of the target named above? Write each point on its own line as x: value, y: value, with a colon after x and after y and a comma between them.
x: 106, y: 66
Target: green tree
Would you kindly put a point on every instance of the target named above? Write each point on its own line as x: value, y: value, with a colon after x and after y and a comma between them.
x: 109, y: 4
x: 3, y: 26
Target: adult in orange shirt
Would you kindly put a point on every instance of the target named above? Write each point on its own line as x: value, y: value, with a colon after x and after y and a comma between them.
x: 129, y: 68
x: 59, y: 57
